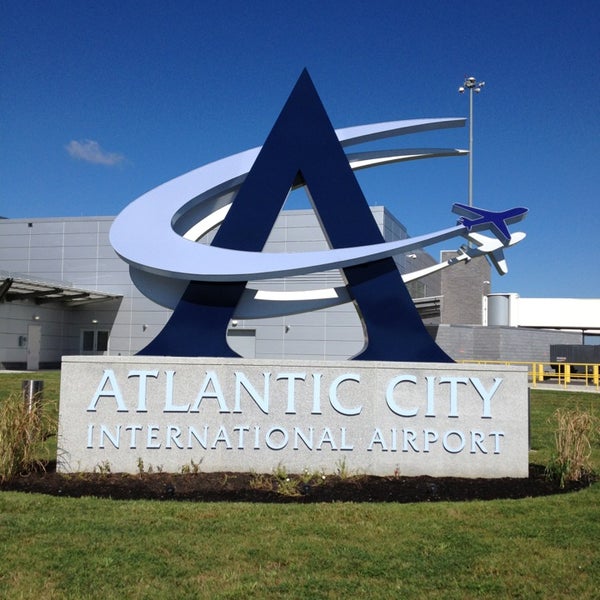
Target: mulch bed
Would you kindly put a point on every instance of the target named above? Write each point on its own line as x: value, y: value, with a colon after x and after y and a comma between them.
x: 244, y: 487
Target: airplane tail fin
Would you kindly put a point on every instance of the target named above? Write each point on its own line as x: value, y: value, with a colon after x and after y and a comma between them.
x: 468, y: 223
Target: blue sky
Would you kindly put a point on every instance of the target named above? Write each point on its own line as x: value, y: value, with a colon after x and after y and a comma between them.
x: 102, y: 101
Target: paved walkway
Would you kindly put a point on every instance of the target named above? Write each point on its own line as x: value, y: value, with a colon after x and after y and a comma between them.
x: 575, y: 387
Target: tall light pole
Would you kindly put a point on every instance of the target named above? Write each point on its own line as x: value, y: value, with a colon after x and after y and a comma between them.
x: 472, y: 85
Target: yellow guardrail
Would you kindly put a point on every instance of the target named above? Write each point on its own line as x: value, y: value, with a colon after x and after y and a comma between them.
x: 564, y: 373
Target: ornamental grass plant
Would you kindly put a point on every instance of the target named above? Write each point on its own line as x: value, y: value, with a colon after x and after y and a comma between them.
x: 576, y: 431
x: 23, y: 431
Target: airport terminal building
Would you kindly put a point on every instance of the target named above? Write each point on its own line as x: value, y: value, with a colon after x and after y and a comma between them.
x: 64, y: 291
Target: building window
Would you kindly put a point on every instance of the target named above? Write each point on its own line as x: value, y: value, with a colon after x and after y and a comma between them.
x: 94, y: 341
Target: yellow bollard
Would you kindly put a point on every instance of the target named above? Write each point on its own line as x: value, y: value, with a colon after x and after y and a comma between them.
x: 596, y: 375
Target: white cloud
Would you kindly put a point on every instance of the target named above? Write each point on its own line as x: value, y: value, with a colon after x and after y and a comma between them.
x: 91, y: 152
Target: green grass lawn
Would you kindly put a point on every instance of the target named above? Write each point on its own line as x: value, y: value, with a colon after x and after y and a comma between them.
x: 545, y: 547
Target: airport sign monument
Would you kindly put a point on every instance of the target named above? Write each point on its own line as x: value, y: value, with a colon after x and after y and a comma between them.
x: 400, y: 406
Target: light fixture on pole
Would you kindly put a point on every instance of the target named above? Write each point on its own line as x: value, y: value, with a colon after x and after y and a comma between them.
x: 472, y: 85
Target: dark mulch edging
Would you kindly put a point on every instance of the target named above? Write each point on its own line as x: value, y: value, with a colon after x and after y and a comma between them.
x: 240, y: 487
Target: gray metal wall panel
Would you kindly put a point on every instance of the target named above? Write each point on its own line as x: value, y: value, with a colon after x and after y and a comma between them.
x: 39, y: 271
x: 52, y: 252
x: 16, y: 266
x: 106, y: 252
x: 85, y: 228
x: 310, y: 246
x: 342, y: 349
x: 86, y: 265
x: 278, y: 234
x: 276, y: 247
x: 345, y: 334
x: 306, y: 234
x: 300, y: 219
x: 81, y: 239
x: 9, y: 241
x: 45, y: 239
x: 45, y: 227
x: 9, y: 256
x: 78, y: 252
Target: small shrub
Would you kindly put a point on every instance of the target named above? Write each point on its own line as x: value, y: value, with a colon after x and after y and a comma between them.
x: 103, y: 468
x: 312, y: 477
x: 261, y: 481
x: 342, y: 470
x: 280, y: 472
x: 285, y: 485
x: 576, y: 430
x: 22, y: 436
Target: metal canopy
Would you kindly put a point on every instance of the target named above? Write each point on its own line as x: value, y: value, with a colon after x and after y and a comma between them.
x: 17, y: 288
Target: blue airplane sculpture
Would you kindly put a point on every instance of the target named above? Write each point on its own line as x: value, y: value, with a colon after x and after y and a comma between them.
x: 476, y: 219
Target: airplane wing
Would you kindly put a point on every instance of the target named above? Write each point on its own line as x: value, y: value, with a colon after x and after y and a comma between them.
x: 497, y: 259
x: 493, y: 249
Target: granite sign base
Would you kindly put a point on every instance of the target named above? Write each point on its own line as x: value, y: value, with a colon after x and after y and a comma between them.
x: 380, y: 418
